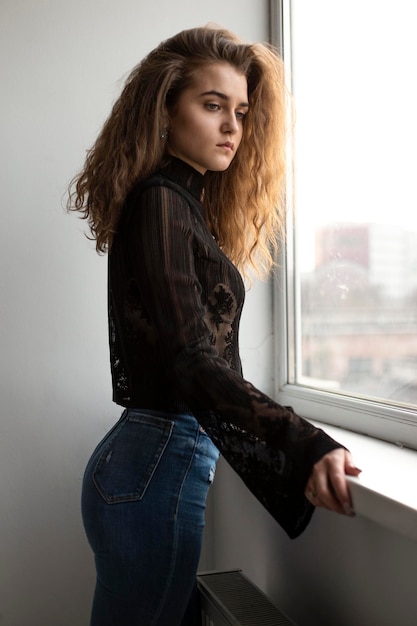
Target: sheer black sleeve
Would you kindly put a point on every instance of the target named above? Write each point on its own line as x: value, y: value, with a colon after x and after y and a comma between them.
x: 175, y: 268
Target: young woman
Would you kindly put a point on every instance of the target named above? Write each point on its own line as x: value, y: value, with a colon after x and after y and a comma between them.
x: 182, y: 187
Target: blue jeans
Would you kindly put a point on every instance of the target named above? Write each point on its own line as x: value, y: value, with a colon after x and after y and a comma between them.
x: 143, y: 504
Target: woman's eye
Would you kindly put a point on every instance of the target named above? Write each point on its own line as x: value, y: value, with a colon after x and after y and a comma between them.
x: 212, y: 106
x: 240, y: 115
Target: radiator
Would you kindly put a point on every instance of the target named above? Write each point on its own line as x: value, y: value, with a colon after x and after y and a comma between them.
x: 231, y: 599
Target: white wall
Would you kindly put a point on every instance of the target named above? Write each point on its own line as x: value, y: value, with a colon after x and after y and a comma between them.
x: 62, y: 65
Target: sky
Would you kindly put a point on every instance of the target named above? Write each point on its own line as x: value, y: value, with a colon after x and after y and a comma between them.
x: 353, y: 81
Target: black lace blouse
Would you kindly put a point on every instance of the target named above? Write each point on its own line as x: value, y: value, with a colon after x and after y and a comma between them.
x: 175, y: 302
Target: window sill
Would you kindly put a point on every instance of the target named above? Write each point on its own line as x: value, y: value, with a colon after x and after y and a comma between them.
x: 384, y: 492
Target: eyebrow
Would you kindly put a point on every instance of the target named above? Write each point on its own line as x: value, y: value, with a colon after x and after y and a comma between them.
x: 222, y: 96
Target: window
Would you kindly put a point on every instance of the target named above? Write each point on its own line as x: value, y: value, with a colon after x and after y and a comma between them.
x: 349, y: 320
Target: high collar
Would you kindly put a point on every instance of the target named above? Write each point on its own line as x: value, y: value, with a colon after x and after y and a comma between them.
x: 185, y: 175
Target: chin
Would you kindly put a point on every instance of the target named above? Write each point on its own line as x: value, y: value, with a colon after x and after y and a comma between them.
x: 220, y: 167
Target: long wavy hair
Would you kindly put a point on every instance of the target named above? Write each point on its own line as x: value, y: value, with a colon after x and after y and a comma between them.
x: 245, y: 203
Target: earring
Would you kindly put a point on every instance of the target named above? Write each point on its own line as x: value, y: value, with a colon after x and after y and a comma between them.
x: 164, y: 134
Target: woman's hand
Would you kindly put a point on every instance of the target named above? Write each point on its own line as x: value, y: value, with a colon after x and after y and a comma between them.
x: 327, y: 486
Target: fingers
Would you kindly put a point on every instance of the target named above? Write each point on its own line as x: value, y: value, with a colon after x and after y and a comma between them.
x: 350, y: 467
x: 327, y: 486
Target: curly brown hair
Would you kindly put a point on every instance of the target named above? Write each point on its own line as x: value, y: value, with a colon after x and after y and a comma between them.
x: 244, y: 204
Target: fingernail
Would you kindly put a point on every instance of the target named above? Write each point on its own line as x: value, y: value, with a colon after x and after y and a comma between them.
x: 348, y: 509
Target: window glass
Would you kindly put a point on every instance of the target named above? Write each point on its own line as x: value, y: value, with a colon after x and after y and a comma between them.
x: 355, y: 198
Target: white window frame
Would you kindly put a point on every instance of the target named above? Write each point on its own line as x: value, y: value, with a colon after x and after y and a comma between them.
x: 382, y: 420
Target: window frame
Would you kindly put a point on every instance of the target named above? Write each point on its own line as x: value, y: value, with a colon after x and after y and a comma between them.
x: 382, y: 420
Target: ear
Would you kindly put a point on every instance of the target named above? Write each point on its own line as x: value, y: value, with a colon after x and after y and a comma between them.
x: 166, y: 123
x: 164, y: 126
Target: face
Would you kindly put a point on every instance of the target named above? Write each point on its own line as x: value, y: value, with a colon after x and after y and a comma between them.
x: 206, y: 124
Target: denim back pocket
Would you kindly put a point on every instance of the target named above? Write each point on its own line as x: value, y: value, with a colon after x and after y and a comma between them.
x: 130, y: 458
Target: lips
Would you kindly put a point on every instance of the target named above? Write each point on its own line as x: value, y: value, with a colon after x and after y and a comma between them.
x: 227, y: 144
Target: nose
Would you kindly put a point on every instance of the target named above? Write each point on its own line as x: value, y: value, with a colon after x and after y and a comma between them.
x: 230, y: 125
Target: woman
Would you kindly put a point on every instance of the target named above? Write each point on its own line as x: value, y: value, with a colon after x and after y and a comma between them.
x: 182, y: 187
